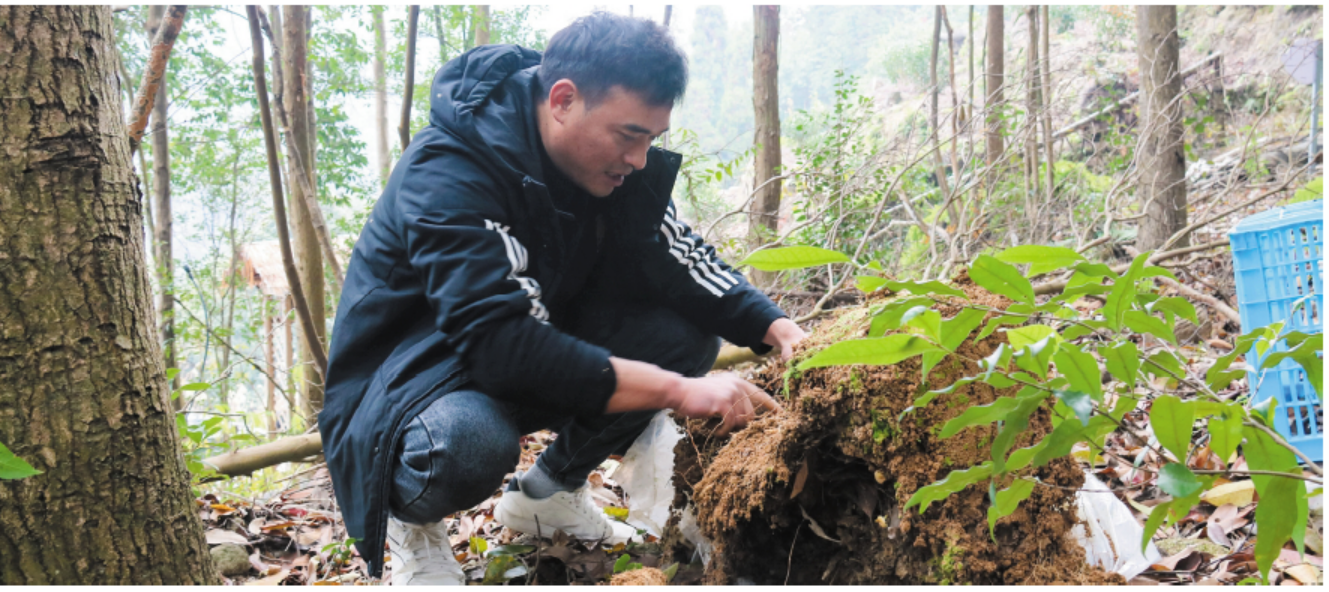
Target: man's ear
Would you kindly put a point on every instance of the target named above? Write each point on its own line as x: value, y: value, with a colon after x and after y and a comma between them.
x: 562, y: 97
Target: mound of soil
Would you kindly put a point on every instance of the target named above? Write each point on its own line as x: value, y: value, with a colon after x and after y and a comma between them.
x: 816, y: 494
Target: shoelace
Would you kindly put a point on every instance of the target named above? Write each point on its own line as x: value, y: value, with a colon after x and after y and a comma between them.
x: 414, y: 531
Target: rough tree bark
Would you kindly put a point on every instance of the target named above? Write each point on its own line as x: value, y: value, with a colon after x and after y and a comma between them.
x: 1046, y: 100
x: 161, y: 206
x: 380, y: 96
x: 305, y: 243
x: 85, y: 398
x: 161, y: 39
x: 1031, y: 124
x: 1162, y: 162
x: 481, y: 25
x: 996, y: 73
x: 764, y: 216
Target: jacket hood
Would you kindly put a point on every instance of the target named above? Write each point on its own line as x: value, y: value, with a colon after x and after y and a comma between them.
x: 486, y: 99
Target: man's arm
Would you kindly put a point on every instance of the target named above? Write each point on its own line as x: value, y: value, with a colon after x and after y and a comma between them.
x: 643, y: 386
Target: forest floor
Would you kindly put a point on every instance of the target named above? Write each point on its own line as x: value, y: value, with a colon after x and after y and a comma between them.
x: 296, y: 536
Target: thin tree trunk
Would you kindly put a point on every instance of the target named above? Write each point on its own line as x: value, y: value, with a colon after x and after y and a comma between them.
x: 278, y: 204
x: 995, y: 75
x: 1031, y: 123
x: 669, y: 12
x: 482, y: 25
x: 1162, y: 162
x: 934, y: 97
x: 161, y: 40
x: 956, y: 166
x: 309, y: 258
x: 440, y: 33
x: 970, y: 41
x: 404, y: 129
x: 161, y: 198
x: 1046, y: 96
x: 764, y: 217
x: 85, y: 399
x: 269, y: 363
x: 228, y: 315
x: 380, y: 96
x: 288, y: 358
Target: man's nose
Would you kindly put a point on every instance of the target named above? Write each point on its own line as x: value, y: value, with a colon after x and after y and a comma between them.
x: 637, y: 158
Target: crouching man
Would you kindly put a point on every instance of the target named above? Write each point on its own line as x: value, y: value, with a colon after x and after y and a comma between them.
x: 525, y: 269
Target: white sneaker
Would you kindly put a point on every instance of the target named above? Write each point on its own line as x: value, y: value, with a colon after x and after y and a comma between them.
x: 421, y: 555
x: 572, y: 512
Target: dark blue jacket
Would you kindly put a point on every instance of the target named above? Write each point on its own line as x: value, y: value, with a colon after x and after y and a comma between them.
x: 451, y: 279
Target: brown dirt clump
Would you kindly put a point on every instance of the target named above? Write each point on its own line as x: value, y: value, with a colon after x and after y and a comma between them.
x: 817, y: 494
x: 646, y: 576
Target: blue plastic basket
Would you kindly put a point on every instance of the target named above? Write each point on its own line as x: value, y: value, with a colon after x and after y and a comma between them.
x: 1277, y: 257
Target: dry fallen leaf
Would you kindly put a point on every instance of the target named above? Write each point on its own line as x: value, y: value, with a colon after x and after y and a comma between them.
x: 1304, y: 573
x: 218, y: 536
x: 1237, y: 493
x: 271, y: 580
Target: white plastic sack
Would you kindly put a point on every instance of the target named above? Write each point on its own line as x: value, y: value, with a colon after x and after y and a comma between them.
x: 646, y: 471
x: 1113, y: 540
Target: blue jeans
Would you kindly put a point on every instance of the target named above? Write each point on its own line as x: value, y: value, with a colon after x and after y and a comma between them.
x: 456, y: 452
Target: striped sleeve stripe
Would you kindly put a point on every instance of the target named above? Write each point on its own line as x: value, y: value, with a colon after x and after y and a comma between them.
x: 518, y: 258
x: 705, y: 260
x: 701, y: 266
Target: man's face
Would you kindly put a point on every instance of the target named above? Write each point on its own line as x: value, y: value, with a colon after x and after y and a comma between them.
x: 597, y: 147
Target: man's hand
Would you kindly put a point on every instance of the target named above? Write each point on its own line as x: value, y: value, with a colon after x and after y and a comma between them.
x: 725, y: 395
x: 782, y: 335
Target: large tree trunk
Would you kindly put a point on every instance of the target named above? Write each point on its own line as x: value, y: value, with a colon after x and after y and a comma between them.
x: 161, y: 198
x: 764, y: 217
x: 482, y: 25
x: 380, y: 96
x: 996, y: 74
x: 85, y: 398
x: 1161, y: 159
x: 309, y: 260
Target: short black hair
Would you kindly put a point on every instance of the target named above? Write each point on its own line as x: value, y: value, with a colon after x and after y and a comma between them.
x: 601, y: 50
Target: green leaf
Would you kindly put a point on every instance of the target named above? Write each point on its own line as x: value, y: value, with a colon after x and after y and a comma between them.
x: 622, y: 564
x: 1030, y: 335
x: 1007, y: 501
x: 1312, y: 191
x: 957, y: 328
x: 1172, y: 420
x: 478, y: 546
x: 13, y: 467
x: 1093, y: 270
x: 196, y: 386
x: 954, y: 482
x: 1041, y: 259
x: 1015, y: 423
x: 1140, y: 322
x: 999, y: 321
x: 1123, y: 361
x: 891, y: 314
x: 1151, y: 525
x: 1123, y: 294
x: 1164, y: 364
x: 1078, y: 402
x: 1178, y: 306
x: 501, y: 569
x: 511, y: 550
x: 1001, y: 278
x: 1036, y: 356
x: 1225, y: 435
x: 1307, y: 354
x: 171, y: 373
x: 1080, y: 369
x: 670, y: 572
x: 793, y: 258
x: 924, y: 319
x: 1177, y: 481
x: 886, y: 350
x: 924, y: 288
x: 869, y: 283
x: 984, y: 414
x: 1155, y: 271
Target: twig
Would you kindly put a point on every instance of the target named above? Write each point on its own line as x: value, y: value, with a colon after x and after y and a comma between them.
x: 1213, y: 303
x: 790, y: 569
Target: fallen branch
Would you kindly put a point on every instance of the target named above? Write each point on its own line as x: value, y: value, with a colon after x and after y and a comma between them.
x: 162, y: 43
x: 245, y: 461
x: 732, y: 355
x: 1066, y: 131
x: 1214, y: 303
